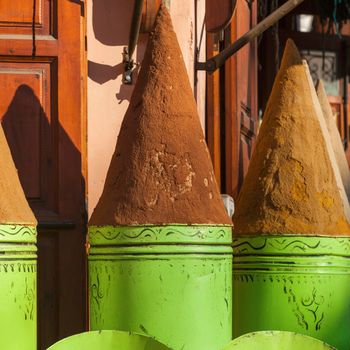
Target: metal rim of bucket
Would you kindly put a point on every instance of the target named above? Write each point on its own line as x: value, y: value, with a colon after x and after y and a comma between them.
x: 109, y: 336
x: 270, y: 336
x: 160, y: 234
x: 293, y: 245
x: 17, y: 233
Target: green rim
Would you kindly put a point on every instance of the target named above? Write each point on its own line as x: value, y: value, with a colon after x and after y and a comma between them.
x: 291, y: 245
x: 108, y: 340
x: 160, y: 249
x: 277, y: 340
x: 12, y: 233
x: 167, y: 234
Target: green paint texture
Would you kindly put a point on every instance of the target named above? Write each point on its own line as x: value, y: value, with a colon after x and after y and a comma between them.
x: 18, y: 264
x: 108, y: 340
x: 276, y: 340
x: 293, y: 283
x: 173, y: 283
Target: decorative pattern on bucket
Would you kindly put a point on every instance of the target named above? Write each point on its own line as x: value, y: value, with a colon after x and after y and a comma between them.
x: 18, y: 265
x: 197, y: 234
x: 176, y: 287
x: 17, y: 233
x: 293, y: 283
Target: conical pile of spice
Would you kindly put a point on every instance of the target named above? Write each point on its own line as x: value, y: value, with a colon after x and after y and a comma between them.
x: 335, y: 136
x: 161, y: 170
x: 160, y: 225
x: 328, y: 143
x: 290, y: 187
x: 14, y: 208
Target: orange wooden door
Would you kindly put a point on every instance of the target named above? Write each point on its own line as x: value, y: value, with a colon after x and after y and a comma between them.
x: 41, y: 109
x: 241, y: 98
x: 232, y: 111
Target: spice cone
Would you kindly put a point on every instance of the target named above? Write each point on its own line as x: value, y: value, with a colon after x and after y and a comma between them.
x: 335, y: 137
x: 328, y: 142
x: 161, y: 170
x: 290, y: 187
x: 14, y: 208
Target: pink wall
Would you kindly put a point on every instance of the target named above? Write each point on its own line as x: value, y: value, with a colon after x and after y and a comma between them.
x: 108, y: 98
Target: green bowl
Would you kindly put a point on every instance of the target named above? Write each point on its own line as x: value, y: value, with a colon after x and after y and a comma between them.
x: 108, y: 340
x: 276, y: 340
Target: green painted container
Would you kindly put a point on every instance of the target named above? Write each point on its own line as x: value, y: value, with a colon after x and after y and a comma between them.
x: 293, y: 283
x: 276, y: 340
x: 108, y: 340
x: 173, y: 283
x: 18, y: 263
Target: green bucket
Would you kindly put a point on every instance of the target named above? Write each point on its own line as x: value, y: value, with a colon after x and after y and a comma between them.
x: 108, y: 340
x: 274, y: 340
x: 18, y: 263
x: 293, y: 283
x: 173, y: 283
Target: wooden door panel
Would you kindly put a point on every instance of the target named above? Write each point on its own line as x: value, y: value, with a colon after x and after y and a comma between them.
x: 16, y: 16
x: 27, y: 119
x: 241, y: 98
x: 41, y: 106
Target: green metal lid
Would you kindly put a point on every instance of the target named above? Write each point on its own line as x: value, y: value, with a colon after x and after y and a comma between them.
x: 276, y: 340
x: 108, y: 340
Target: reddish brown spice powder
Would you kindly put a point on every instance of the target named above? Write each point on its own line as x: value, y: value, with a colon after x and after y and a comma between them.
x: 161, y: 170
x: 14, y: 208
x: 290, y: 187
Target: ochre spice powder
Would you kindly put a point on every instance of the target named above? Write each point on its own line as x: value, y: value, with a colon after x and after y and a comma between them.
x: 337, y: 143
x: 14, y: 208
x: 290, y: 187
x: 161, y: 170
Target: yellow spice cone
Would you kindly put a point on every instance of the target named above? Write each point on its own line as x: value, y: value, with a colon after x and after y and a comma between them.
x: 290, y: 187
x: 335, y: 137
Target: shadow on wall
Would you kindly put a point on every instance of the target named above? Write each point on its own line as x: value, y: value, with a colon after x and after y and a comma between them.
x: 44, y: 154
x: 101, y: 73
x: 111, y: 21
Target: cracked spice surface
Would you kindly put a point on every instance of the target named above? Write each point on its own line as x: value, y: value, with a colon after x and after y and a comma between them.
x: 14, y: 208
x: 161, y: 171
x: 290, y: 186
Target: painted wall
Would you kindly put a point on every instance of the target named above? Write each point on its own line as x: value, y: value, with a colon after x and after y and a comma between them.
x: 107, y: 34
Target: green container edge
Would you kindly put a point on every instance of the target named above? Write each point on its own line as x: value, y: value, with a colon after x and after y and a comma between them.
x: 160, y: 234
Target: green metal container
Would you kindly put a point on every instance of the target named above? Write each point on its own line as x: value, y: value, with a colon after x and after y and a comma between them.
x: 173, y: 283
x: 108, y: 340
x: 18, y: 287
x: 276, y: 340
x: 293, y: 283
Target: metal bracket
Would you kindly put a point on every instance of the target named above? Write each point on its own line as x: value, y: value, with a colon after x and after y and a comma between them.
x: 219, y: 60
x: 128, y: 67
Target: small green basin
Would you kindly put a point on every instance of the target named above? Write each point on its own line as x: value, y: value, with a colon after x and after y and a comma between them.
x: 108, y: 340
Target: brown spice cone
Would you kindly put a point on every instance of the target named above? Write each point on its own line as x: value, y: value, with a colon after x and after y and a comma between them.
x: 335, y: 137
x: 290, y: 187
x: 161, y: 172
x: 14, y: 208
